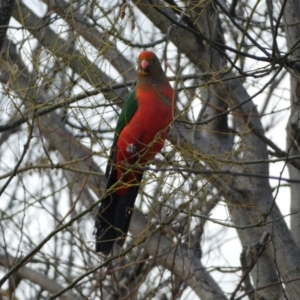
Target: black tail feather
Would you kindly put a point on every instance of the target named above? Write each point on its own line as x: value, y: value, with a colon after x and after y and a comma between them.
x: 113, y: 218
x: 104, y: 224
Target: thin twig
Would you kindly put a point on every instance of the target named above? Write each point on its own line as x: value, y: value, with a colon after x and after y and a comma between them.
x: 260, y: 247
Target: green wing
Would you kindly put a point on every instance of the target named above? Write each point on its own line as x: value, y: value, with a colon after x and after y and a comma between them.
x: 129, y: 108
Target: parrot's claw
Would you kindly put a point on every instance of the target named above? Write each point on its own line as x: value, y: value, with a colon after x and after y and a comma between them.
x: 131, y: 149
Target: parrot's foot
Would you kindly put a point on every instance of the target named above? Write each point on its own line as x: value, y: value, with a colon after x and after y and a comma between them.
x: 131, y: 149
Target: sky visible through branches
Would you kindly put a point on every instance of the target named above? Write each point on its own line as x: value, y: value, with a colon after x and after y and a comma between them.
x: 217, y: 216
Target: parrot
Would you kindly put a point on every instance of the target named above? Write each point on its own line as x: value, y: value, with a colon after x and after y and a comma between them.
x: 140, y: 133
